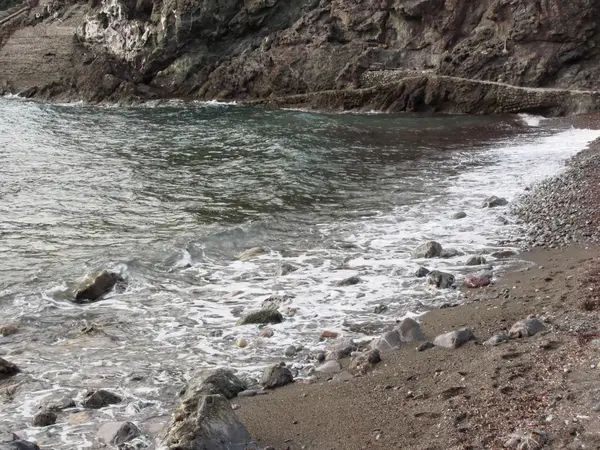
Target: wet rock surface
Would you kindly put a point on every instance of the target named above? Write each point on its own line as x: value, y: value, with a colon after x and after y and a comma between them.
x: 97, y: 286
x: 429, y: 249
x: 7, y: 369
x: 261, y: 317
x: 100, y: 398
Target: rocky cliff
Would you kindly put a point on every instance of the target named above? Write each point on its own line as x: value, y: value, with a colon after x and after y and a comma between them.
x: 272, y: 49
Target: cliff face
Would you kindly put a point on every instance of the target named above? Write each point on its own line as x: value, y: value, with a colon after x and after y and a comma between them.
x: 254, y: 49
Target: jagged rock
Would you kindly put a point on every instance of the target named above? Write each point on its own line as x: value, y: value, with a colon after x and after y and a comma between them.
x: 276, y: 300
x: 219, y: 381
x: 496, y: 339
x: 97, y: 286
x: 342, y: 376
x: 44, y: 418
x: 262, y: 316
x: 10, y: 441
x: 459, y: 215
x: 7, y: 369
x: 250, y: 253
x: 350, y: 281
x: 429, y: 249
x: 285, y: 269
x: 501, y: 220
x: 421, y: 272
x: 493, y: 201
x: 58, y: 403
x: 441, y: 280
x: 478, y: 280
x: 453, y: 339
x: 100, y: 399
x: 276, y: 376
x: 290, y: 351
x: 387, y: 341
x: 476, y: 261
x: 527, y: 327
x: 410, y: 330
x: 331, y: 366
x: 206, y: 422
x: 503, y: 254
x: 117, y: 433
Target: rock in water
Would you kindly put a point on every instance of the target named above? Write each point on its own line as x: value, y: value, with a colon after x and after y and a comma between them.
x: 440, y: 280
x: 429, y: 249
x: 44, y: 418
x: 285, y: 269
x: 493, y: 201
x: 478, y: 280
x: 451, y: 253
x: 454, y: 339
x: 100, y: 399
x: 276, y: 300
x: 350, y: 281
x: 503, y: 254
x: 421, y: 272
x: 527, y: 327
x: 10, y: 441
x: 476, y: 261
x: 98, y: 286
x: 117, y: 433
x: 262, y: 316
x: 410, y: 330
x: 250, y: 253
x: 459, y: 215
x: 276, y: 376
x: 217, y: 382
x: 207, y: 422
x: 7, y: 369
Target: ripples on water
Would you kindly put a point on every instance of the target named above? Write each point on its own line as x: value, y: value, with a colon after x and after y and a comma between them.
x: 148, y: 191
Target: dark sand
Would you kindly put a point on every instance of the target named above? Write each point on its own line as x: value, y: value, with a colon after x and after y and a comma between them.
x: 475, y: 396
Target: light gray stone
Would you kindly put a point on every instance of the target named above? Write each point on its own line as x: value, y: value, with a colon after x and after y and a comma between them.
x: 430, y: 249
x: 453, y: 339
x: 527, y: 327
x: 387, y: 341
x: 493, y: 201
x: 276, y: 376
x: 207, y: 422
x: 410, y: 330
x: 261, y: 317
x: 250, y: 253
x: 219, y: 381
x: 342, y: 376
x: 451, y: 253
x: 117, y: 433
x: 329, y: 367
x: 275, y: 301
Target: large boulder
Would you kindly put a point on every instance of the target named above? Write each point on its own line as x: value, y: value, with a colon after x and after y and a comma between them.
x: 262, y: 316
x: 7, y: 369
x: 453, y: 339
x: 527, y: 327
x: 493, y: 201
x: 410, y: 330
x: 206, y: 422
x: 276, y: 376
x: 219, y: 381
x: 421, y: 272
x: 100, y: 398
x: 429, y: 249
x: 440, y: 280
x: 10, y: 441
x: 97, y: 286
x: 116, y: 433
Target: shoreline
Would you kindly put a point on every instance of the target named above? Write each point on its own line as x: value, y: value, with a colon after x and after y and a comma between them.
x: 474, y: 396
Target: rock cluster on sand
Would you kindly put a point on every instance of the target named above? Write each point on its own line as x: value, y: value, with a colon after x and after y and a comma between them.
x: 262, y: 316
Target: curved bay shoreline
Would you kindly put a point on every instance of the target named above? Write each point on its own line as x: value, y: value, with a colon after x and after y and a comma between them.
x: 474, y: 396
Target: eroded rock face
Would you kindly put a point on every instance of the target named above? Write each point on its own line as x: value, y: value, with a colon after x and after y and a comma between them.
x: 440, y: 280
x: 10, y: 441
x: 206, y: 422
x: 527, y: 327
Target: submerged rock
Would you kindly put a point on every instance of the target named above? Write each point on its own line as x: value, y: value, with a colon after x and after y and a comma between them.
x: 527, y: 327
x: 276, y: 376
x: 10, y: 441
x: 429, y: 249
x: 493, y: 201
x: 219, y: 381
x: 7, y: 369
x: 262, y: 316
x: 453, y: 339
x: 206, y: 422
x: 250, y: 253
x: 100, y: 399
x: 421, y: 272
x: 503, y: 254
x: 117, y: 433
x: 276, y: 300
x: 440, y: 280
x: 476, y: 261
x: 350, y: 281
x: 44, y: 418
x: 285, y: 269
x: 97, y: 286
x: 458, y: 215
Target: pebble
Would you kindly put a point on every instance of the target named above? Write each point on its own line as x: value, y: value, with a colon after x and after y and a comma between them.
x: 241, y: 342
